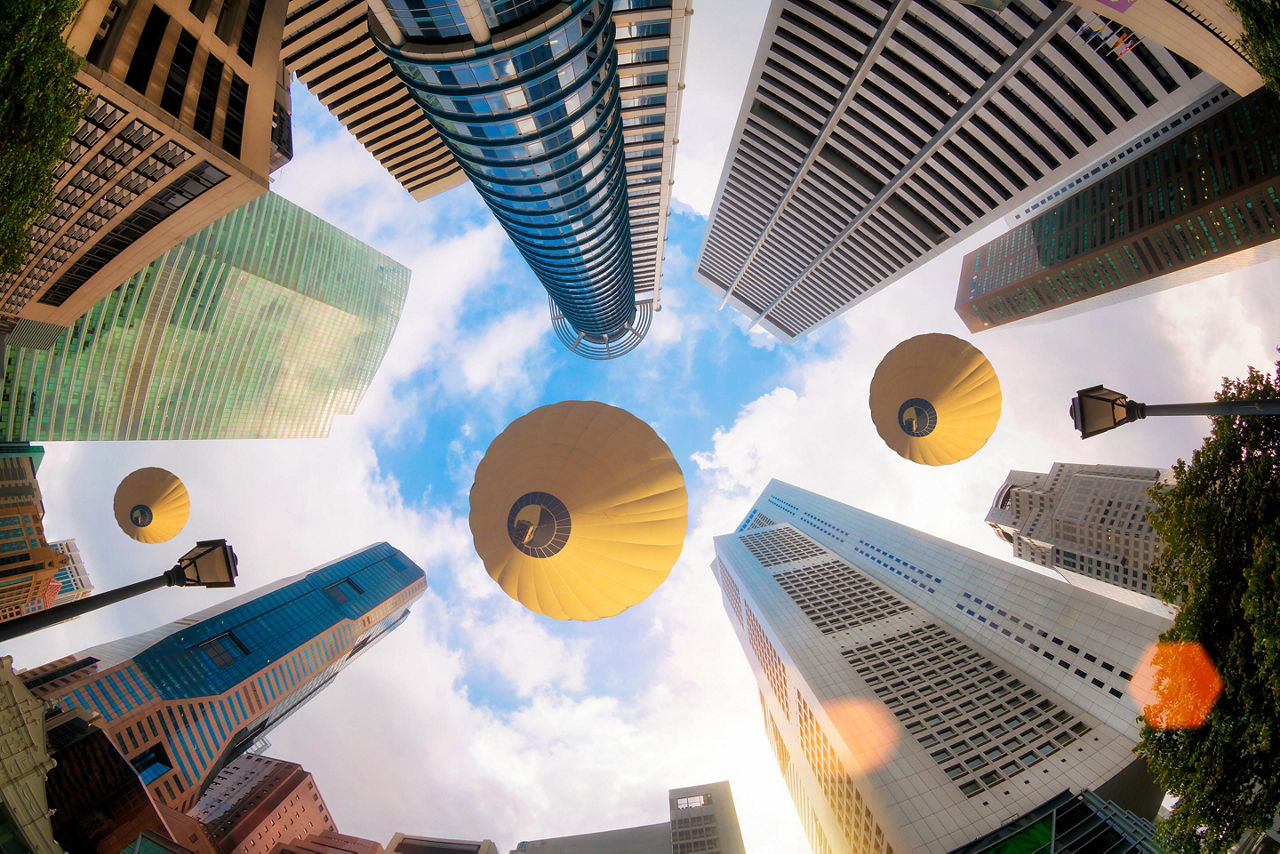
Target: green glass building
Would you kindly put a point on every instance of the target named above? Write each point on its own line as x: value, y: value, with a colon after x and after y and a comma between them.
x: 264, y: 325
x: 1205, y: 202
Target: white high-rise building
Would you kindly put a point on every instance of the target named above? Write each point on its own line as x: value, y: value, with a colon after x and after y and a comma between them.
x: 876, y: 134
x: 919, y: 695
x: 1090, y: 520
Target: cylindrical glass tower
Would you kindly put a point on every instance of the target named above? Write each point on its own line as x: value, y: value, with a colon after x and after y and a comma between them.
x: 525, y: 94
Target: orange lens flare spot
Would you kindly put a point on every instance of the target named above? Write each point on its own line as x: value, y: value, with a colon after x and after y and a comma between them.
x: 868, y: 729
x: 1175, y: 685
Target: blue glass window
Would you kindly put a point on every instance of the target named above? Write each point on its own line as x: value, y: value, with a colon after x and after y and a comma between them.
x: 224, y: 649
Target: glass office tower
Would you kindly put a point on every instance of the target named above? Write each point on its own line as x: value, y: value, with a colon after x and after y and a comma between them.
x: 186, y: 699
x: 1199, y: 204
x: 263, y: 325
x: 526, y: 96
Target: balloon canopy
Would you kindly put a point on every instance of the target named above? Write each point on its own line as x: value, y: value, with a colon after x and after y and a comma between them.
x: 579, y: 510
x: 935, y: 399
x: 152, y: 505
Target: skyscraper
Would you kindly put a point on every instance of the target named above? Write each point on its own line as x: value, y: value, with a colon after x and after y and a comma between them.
x: 72, y: 579
x: 562, y: 115
x: 257, y: 801
x: 184, y: 700
x: 1198, y: 203
x: 30, y: 568
x: 264, y: 325
x: 702, y: 820
x: 188, y: 115
x: 917, y: 694
x: 1087, y: 519
x: 873, y: 136
x: 406, y: 844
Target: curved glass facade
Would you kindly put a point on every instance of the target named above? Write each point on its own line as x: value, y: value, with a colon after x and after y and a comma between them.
x: 534, y: 117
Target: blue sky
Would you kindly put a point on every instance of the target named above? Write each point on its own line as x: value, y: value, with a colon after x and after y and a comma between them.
x: 479, y: 719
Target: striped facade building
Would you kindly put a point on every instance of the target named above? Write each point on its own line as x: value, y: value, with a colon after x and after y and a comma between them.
x: 185, y: 700
x: 874, y: 135
x: 188, y: 115
x: 575, y: 229
x: 919, y: 695
x: 266, y: 324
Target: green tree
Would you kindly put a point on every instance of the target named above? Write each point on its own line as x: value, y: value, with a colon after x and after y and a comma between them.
x: 40, y: 105
x: 1220, y: 522
x: 1260, y: 37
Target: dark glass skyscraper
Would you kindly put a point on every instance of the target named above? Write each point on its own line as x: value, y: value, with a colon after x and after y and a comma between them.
x: 525, y: 94
x: 1204, y: 202
x: 186, y: 699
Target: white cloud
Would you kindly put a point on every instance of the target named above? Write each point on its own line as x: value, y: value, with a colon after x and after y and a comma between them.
x: 513, y: 643
x: 722, y: 40
x: 510, y: 353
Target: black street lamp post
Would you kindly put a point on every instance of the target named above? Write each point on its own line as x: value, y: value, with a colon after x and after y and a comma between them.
x: 212, y: 563
x: 1099, y: 409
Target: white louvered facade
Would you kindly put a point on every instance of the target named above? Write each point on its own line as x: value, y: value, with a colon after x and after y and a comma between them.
x: 875, y: 135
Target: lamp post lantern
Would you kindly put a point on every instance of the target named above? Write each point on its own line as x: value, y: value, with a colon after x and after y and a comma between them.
x: 212, y: 563
x: 1099, y: 409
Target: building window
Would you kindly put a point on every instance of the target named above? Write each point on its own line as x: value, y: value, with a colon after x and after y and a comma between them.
x: 224, y: 649
x: 342, y: 591
x: 144, y: 55
x: 151, y: 764
x: 692, y: 801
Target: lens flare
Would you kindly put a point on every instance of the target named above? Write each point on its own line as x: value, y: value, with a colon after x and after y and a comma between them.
x: 868, y: 729
x: 1175, y: 685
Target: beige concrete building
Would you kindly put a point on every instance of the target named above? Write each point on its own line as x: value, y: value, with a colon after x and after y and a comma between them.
x: 404, y: 844
x: 328, y: 842
x: 703, y: 821
x: 1205, y: 32
x: 1089, y: 520
x: 189, y: 113
x: 327, y: 46
x: 24, y: 764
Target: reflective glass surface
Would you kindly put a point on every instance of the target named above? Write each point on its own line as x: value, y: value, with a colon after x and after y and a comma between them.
x: 537, y: 126
x: 263, y: 325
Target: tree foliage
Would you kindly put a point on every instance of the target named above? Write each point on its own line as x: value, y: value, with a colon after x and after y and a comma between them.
x: 1220, y: 522
x: 1260, y: 37
x: 40, y: 105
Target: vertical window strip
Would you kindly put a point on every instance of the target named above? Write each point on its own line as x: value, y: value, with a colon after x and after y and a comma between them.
x: 92, y: 698
x: 176, y: 740
x: 114, y: 682
x: 226, y: 718
x: 211, y: 714
x: 200, y: 724
x: 142, y: 686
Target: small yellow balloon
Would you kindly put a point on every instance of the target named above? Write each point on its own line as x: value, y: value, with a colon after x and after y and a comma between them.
x: 935, y: 399
x: 579, y: 510
x: 152, y: 505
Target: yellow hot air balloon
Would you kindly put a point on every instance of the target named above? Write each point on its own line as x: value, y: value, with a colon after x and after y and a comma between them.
x: 935, y: 399
x: 152, y: 505
x: 579, y: 510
